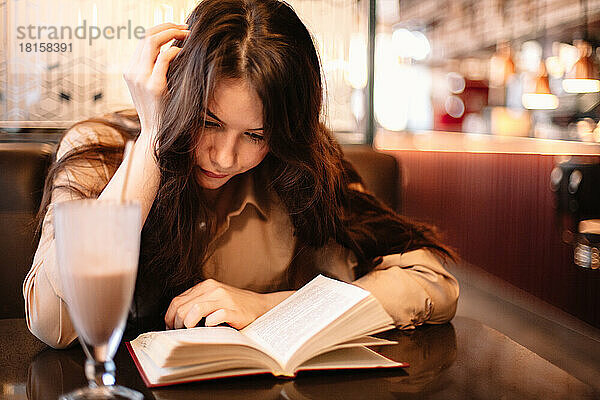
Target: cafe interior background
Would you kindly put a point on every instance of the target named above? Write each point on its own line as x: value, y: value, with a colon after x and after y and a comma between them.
x: 491, y: 109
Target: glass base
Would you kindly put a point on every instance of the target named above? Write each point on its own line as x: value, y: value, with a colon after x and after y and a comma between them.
x: 101, y: 393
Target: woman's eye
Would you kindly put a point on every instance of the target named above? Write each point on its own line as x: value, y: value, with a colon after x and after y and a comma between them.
x: 210, y: 124
x: 254, y: 138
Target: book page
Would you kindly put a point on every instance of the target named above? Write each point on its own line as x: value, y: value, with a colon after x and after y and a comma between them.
x: 286, y: 327
x: 203, y: 335
x: 153, y: 374
x: 350, y: 358
x: 363, y: 341
x: 175, y: 347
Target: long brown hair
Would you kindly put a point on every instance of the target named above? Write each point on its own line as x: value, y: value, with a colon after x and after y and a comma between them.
x: 265, y: 43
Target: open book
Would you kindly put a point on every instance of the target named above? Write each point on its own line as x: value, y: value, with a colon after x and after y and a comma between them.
x: 324, y: 325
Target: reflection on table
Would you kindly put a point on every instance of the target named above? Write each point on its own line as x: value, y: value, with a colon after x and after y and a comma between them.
x: 464, y: 359
x: 429, y: 350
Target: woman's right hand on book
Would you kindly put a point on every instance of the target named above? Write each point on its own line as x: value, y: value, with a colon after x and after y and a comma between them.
x: 146, y: 75
x: 219, y: 303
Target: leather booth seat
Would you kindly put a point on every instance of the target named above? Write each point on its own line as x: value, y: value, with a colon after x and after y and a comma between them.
x: 380, y: 172
x: 23, y: 167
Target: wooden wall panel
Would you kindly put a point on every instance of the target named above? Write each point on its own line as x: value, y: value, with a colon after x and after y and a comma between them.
x: 498, y: 211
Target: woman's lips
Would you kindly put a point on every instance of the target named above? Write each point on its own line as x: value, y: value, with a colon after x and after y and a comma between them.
x: 211, y: 174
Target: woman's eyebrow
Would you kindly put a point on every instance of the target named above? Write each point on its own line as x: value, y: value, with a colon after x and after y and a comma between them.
x: 212, y: 115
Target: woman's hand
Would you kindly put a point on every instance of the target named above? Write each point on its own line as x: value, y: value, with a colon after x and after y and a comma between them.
x: 146, y: 75
x: 219, y: 303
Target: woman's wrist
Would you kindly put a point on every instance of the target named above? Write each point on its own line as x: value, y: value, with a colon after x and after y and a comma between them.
x: 147, y: 137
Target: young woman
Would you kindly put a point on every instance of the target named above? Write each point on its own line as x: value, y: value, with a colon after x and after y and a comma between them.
x: 245, y: 194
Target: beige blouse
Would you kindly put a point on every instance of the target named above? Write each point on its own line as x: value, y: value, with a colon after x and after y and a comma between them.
x: 252, y: 250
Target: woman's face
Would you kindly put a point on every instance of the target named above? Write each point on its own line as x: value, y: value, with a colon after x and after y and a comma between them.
x: 233, y: 141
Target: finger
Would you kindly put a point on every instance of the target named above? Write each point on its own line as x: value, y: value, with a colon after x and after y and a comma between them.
x: 180, y: 303
x: 226, y: 316
x: 163, y: 60
x: 154, y: 30
x: 155, y: 42
x: 170, y: 314
x: 188, y: 296
x: 218, y: 317
x: 188, y: 318
x: 181, y: 306
x: 197, y: 312
x: 162, y: 27
x: 201, y: 304
x: 149, y: 48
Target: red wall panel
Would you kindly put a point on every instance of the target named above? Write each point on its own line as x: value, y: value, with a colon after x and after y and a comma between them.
x: 498, y: 211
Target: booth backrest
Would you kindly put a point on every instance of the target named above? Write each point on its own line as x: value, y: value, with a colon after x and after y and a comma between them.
x: 380, y: 172
x: 23, y: 168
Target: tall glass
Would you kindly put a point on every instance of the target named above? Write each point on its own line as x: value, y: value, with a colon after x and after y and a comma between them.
x: 97, y: 248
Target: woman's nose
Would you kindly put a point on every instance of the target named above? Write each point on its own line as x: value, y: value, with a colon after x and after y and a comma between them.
x: 224, y: 153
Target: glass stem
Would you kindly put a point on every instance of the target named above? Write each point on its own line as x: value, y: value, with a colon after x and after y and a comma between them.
x: 100, y: 373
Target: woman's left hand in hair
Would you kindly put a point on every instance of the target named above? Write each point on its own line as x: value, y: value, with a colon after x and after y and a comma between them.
x: 219, y: 303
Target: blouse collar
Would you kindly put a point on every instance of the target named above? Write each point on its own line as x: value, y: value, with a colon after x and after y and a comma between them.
x: 249, y: 188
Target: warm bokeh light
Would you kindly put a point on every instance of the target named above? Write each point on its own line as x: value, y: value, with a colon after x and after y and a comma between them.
x: 510, y: 122
x: 356, y: 73
x: 541, y: 98
x: 402, y: 88
x: 456, y: 82
x: 568, y: 55
x: 501, y: 66
x: 581, y: 85
x: 540, y: 101
x: 422, y: 48
x: 454, y: 106
x: 555, y: 68
x: 411, y: 44
x: 530, y: 56
x: 391, y: 106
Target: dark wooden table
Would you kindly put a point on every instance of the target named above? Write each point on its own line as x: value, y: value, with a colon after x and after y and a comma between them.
x: 461, y: 360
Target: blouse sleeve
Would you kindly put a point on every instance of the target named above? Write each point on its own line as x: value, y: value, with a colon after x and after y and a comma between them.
x: 45, y: 311
x: 414, y: 288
